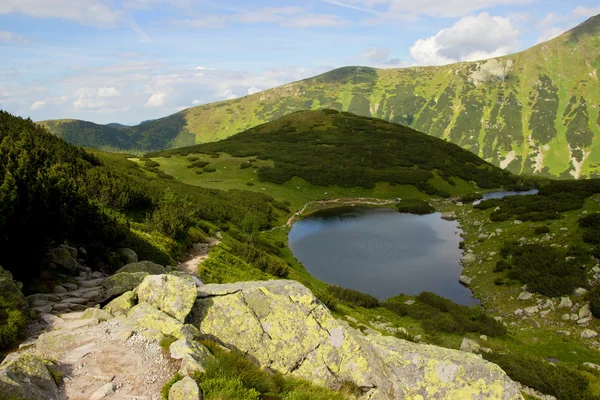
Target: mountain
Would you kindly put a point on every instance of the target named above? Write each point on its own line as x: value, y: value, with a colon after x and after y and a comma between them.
x: 329, y: 147
x: 534, y: 112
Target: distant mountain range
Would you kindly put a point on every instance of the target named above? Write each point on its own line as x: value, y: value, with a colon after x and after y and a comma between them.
x: 534, y: 112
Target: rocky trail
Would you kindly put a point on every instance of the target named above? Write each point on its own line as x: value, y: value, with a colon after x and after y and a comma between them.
x: 198, y: 254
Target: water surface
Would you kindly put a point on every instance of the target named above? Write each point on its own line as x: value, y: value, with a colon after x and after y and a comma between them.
x: 382, y: 252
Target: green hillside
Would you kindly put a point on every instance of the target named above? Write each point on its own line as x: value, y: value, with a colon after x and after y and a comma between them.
x: 531, y: 112
x: 326, y: 148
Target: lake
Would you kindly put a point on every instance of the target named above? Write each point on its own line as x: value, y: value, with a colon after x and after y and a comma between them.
x: 382, y: 252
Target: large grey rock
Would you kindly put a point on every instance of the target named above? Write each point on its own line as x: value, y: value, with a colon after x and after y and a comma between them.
x: 169, y: 293
x: 122, y: 304
x: 585, y: 312
x: 525, y: 296
x: 27, y: 377
x: 468, y: 258
x: 145, y: 317
x: 143, y: 266
x: 284, y: 327
x: 469, y: 345
x: 128, y: 256
x: 465, y: 280
x: 588, y: 334
x: 531, y: 311
x: 122, y: 282
x: 63, y: 258
x: 565, y: 302
x: 192, y: 354
x: 185, y: 389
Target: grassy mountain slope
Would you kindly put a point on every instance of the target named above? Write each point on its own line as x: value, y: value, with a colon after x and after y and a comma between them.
x: 531, y: 112
x: 328, y: 148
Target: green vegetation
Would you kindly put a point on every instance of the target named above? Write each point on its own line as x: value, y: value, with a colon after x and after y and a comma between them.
x: 330, y: 148
x: 491, y: 108
x: 354, y: 297
x: 231, y: 376
x: 415, y: 206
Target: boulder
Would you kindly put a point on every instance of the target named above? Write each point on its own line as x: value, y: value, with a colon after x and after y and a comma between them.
x: 449, y: 216
x: 128, y: 256
x: 143, y: 317
x: 580, y: 291
x: 565, y: 302
x: 169, y: 293
x: 592, y: 366
x: 469, y: 345
x: 585, y: 312
x: 143, y: 266
x: 185, y: 389
x: 63, y: 258
x: 588, y: 334
x: 531, y: 311
x: 122, y: 282
x: 27, y: 377
x: 465, y: 280
x: 122, y: 304
x: 284, y: 327
x: 100, y: 315
x: 525, y: 296
x: 72, y: 250
x: 106, y: 390
x: 192, y: 354
x: 468, y: 258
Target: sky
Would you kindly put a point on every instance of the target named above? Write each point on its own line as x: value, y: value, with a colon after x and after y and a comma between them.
x: 134, y: 60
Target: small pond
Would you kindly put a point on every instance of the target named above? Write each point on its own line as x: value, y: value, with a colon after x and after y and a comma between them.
x: 382, y: 252
x: 504, y: 193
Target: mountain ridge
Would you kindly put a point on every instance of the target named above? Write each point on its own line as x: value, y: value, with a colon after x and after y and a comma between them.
x: 533, y: 112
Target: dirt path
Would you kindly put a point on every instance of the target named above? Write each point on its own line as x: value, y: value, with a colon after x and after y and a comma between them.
x: 341, y: 201
x: 198, y: 254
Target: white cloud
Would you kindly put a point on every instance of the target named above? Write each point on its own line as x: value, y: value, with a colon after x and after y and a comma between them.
x: 156, y: 100
x: 108, y: 92
x: 37, y: 105
x: 378, y: 54
x: 471, y: 38
x: 206, y: 22
x: 253, y: 89
x: 394, y: 9
x: 88, y: 102
x: 586, y: 12
x: 267, y: 14
x: 86, y: 12
x: 196, y: 102
x: 550, y: 34
x: 316, y: 21
x: 10, y: 37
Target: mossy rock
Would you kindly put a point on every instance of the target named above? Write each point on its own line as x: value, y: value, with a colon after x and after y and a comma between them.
x: 122, y: 282
x: 169, y: 293
x: 143, y: 266
x: 122, y: 304
x: 27, y: 377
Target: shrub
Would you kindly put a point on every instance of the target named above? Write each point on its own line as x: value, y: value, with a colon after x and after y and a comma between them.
x: 541, y: 229
x: 198, y: 164
x: 595, y: 301
x: 152, y: 164
x: 249, y: 184
x: 245, y: 165
x: 556, y: 380
x: 354, y: 297
x: 209, y: 169
x: 415, y: 206
x: 192, y: 159
x: 502, y: 265
x: 471, y: 197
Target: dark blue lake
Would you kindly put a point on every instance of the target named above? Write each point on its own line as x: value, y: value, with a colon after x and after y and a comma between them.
x: 382, y: 252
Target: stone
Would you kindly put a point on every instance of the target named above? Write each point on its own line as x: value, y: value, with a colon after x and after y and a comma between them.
x: 122, y: 304
x: 531, y: 311
x: 409, y: 302
x: 59, y: 289
x: 565, y: 302
x: 91, y: 283
x: 517, y: 222
x: 144, y: 316
x: 483, y: 337
x: 465, y: 280
x: 468, y: 258
x: 518, y: 312
x: 525, y: 296
x: 63, y: 258
x: 185, y: 389
x: 469, y: 345
x: 592, y: 365
x: 100, y: 315
x: 127, y: 256
x: 70, y: 286
x: 563, y: 333
x: 588, y: 334
x: 548, y: 304
x: 585, y: 312
x: 143, y: 266
x: 585, y: 320
x: 566, y: 317
x: 574, y: 317
x: 596, y: 269
x: 545, y: 312
x: 104, y: 391
x: 26, y: 376
x: 169, y: 293
x: 580, y: 292
x: 449, y: 216
x: 122, y: 282
x: 11, y: 296
x: 281, y: 325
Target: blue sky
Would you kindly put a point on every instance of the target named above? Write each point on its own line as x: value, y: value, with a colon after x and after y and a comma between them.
x: 128, y: 61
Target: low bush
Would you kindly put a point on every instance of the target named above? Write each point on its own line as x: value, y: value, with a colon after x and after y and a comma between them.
x: 595, y: 301
x: 245, y: 165
x: 415, y: 206
x: 353, y: 297
x: 209, y: 169
x: 590, y: 225
x: 556, y: 380
x: 471, y: 197
x: 249, y: 184
x: 540, y: 230
x: 198, y: 164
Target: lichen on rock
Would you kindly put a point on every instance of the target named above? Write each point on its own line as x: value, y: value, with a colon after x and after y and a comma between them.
x: 284, y: 327
x: 143, y: 266
x: 169, y: 293
x: 27, y: 377
x: 122, y: 282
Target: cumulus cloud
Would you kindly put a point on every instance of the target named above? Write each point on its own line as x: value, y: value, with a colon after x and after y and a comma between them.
x: 471, y: 38
x: 108, y: 92
x: 156, y: 100
x: 378, y: 54
x: 586, y: 12
x: 86, y: 12
x: 253, y: 89
x: 38, y: 105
